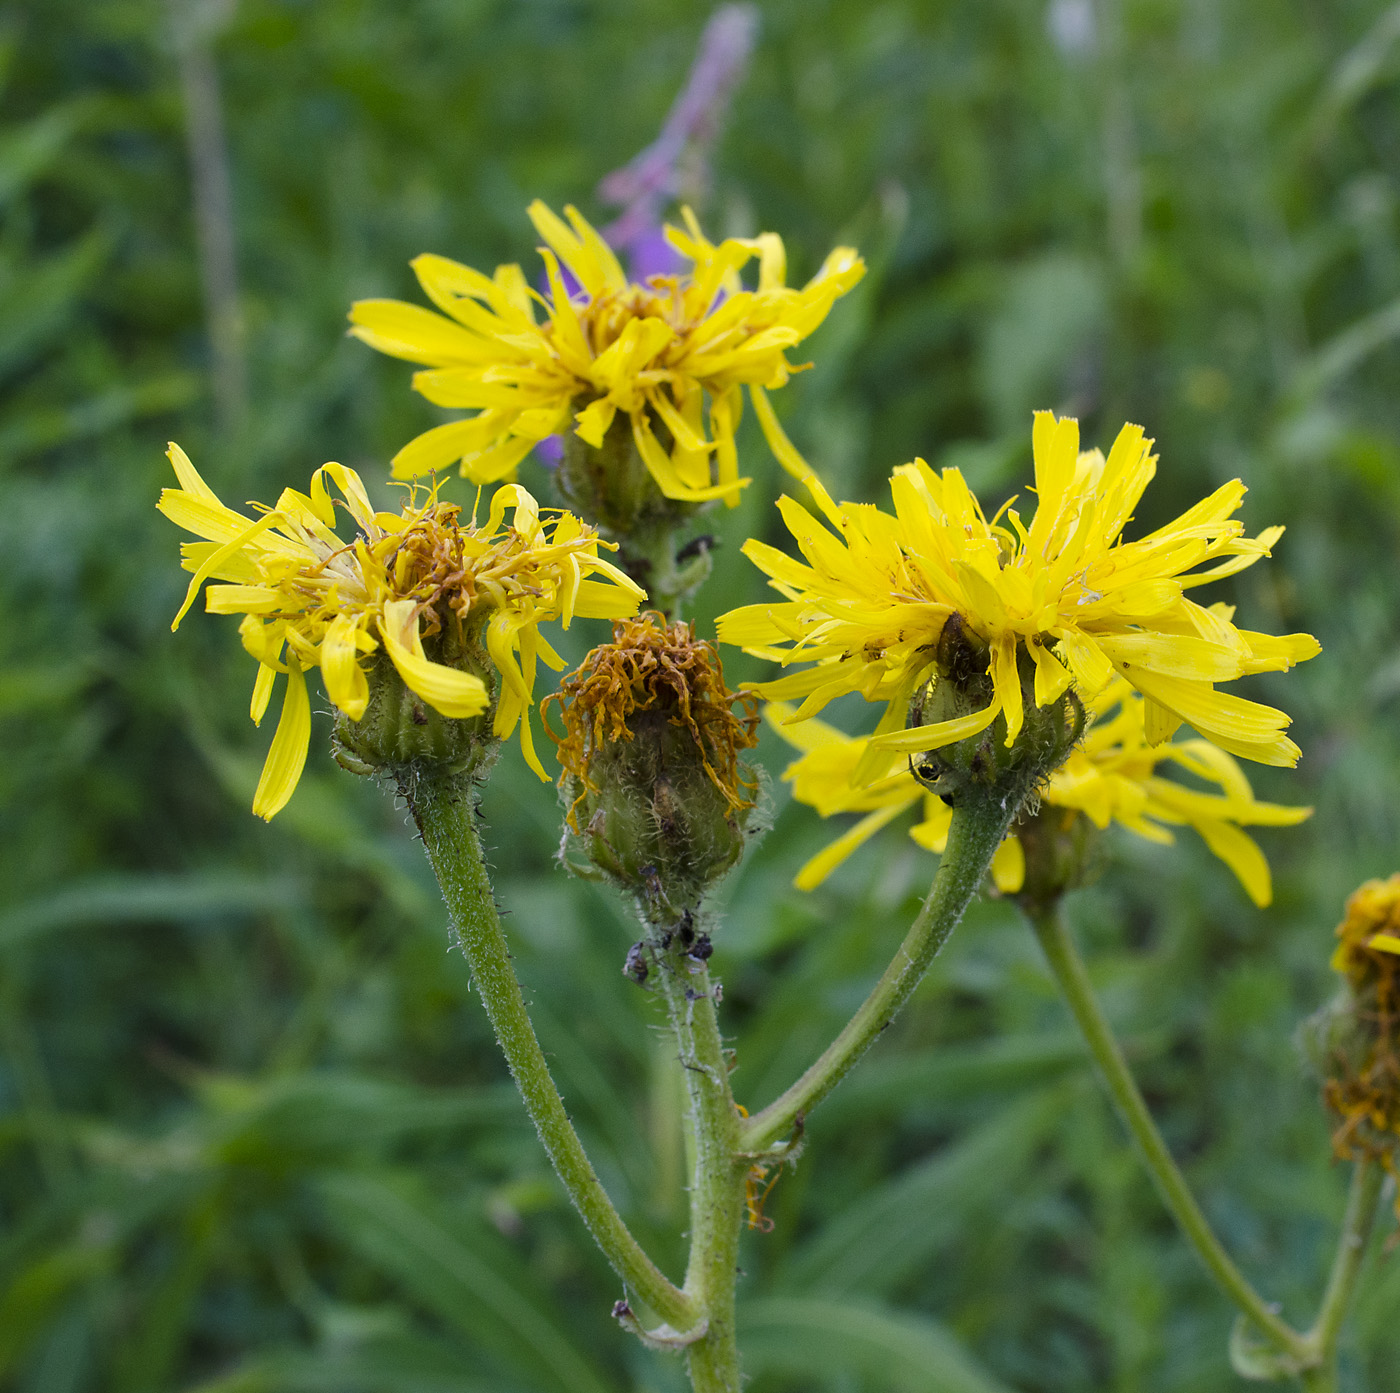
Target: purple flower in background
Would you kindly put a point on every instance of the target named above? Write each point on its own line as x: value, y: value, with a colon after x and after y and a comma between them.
x: 673, y: 166
x: 650, y: 254
x: 676, y: 164
x: 550, y: 451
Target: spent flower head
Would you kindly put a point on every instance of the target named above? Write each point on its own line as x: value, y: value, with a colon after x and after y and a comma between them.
x: 652, y: 354
x: 1059, y: 604
x: 656, y: 793
x: 1357, y: 1038
x: 453, y: 605
x: 1112, y: 776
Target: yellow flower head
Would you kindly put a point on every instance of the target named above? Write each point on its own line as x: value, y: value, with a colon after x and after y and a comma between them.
x: 1111, y: 777
x: 652, y: 352
x: 873, y: 597
x: 1370, y: 934
x: 311, y: 599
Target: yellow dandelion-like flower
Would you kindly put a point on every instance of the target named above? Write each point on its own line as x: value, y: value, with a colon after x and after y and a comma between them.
x: 869, y: 604
x: 311, y: 599
x: 652, y: 353
x: 1111, y: 777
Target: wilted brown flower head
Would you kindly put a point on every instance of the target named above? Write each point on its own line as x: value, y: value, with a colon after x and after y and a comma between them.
x: 657, y: 798
x: 653, y: 666
x: 1362, y: 1067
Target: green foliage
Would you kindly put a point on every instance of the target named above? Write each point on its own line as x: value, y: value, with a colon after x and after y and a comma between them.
x: 255, y: 1135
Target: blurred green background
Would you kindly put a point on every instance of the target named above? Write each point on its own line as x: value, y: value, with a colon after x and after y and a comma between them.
x: 255, y: 1135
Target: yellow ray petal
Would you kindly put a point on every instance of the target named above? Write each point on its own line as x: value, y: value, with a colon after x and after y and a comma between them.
x: 287, y: 757
x: 190, y: 479
x: 455, y: 694
x: 825, y: 861
x: 1241, y: 853
x: 1006, y: 681
x: 932, y: 832
x: 1051, y: 676
x: 660, y: 467
x: 346, y: 684
x: 262, y: 692
x: 788, y: 455
x: 941, y: 733
x: 594, y: 420
x: 1009, y: 866
x: 441, y: 447
x: 216, y: 558
x: 409, y: 331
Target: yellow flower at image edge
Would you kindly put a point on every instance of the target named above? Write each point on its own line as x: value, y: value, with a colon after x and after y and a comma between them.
x: 1111, y: 777
x: 875, y: 591
x: 1372, y: 925
x: 312, y: 599
x: 653, y: 353
x: 1360, y: 1059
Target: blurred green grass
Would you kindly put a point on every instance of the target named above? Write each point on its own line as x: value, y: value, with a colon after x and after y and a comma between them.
x: 255, y: 1135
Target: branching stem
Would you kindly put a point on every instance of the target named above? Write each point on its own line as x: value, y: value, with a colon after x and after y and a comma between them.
x: 717, y: 1183
x: 443, y: 806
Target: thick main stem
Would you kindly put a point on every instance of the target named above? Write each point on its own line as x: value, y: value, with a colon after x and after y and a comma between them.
x: 443, y: 807
x: 1362, y: 1200
x: 975, y: 833
x: 717, y: 1183
x: 1073, y: 979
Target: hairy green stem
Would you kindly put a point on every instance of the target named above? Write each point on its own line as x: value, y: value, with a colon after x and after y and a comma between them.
x: 717, y: 1181
x: 974, y: 835
x: 1073, y: 979
x: 1362, y: 1200
x: 669, y: 583
x: 443, y: 806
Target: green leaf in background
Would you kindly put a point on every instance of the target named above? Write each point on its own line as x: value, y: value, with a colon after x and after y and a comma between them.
x: 882, y: 1238
x: 820, y: 1341
x: 404, y: 1363
x: 454, y: 1269
x: 138, y: 899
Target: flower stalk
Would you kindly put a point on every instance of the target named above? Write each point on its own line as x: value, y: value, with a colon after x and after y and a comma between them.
x: 1363, y: 1199
x: 443, y: 809
x: 976, y: 830
x: 1047, y: 919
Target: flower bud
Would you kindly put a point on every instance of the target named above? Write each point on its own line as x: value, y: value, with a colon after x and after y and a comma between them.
x: 959, y: 684
x: 657, y: 799
x: 1062, y: 852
